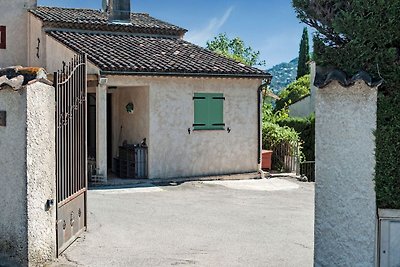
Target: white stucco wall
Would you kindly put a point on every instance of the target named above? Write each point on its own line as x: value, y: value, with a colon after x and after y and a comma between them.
x: 173, y: 152
x: 56, y: 53
x: 36, y: 33
x: 13, y: 202
x: 14, y: 16
x: 306, y: 106
x: 302, y: 108
x: 40, y: 169
x: 27, y: 174
x: 345, y: 208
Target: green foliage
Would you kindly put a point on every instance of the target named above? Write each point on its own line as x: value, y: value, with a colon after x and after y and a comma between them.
x: 364, y: 34
x: 295, y: 91
x: 306, y: 129
x: 235, y: 49
x: 387, y: 151
x: 304, y: 55
x: 274, y: 134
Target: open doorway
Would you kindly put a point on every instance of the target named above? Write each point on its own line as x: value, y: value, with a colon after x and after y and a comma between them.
x: 109, y: 133
x: 91, y: 126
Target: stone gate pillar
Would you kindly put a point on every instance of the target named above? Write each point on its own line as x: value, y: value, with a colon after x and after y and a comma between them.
x: 345, y: 208
x: 27, y: 170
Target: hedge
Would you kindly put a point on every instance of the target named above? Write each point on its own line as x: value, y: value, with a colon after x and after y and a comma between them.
x: 387, y: 179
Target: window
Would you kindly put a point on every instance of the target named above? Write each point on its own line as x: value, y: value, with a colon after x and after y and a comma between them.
x: 208, y: 111
x: 2, y: 37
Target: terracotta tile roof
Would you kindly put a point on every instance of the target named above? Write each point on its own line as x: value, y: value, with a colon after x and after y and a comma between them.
x: 96, y: 20
x: 324, y: 77
x: 132, y: 54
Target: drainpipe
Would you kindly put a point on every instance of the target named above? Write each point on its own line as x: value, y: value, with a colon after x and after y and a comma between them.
x: 259, y: 104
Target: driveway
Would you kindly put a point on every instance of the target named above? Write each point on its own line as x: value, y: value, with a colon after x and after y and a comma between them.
x: 222, y: 223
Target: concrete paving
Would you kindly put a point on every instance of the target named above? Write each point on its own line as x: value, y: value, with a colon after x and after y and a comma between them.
x: 257, y: 185
x: 225, y: 223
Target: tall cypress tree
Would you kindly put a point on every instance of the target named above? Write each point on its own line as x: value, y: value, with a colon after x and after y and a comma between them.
x: 304, y: 55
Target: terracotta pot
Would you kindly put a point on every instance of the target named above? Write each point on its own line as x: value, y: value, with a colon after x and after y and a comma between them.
x: 266, y: 159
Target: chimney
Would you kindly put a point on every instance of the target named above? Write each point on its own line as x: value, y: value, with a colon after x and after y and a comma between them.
x: 119, y: 11
x: 105, y: 5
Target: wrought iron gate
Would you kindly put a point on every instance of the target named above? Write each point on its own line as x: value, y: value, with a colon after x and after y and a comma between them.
x: 71, y: 151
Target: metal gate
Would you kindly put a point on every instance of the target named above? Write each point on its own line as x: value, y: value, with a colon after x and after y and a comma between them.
x: 71, y: 151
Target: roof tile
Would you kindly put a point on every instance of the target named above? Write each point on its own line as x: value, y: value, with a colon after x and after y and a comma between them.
x: 124, y: 53
x: 90, y: 19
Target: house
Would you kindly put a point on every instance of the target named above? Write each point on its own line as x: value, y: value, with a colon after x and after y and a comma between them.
x: 197, y: 111
x: 305, y: 106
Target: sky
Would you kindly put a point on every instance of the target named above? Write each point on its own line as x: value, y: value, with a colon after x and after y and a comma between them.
x: 268, y: 26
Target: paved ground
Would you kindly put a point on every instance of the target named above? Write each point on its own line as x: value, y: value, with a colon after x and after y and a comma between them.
x: 229, y: 223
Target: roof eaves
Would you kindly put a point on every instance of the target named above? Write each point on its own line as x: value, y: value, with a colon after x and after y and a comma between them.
x: 48, y: 29
x: 165, y: 28
x: 301, y: 98
x: 189, y: 74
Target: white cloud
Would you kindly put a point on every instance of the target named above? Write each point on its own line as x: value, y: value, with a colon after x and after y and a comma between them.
x: 201, y: 36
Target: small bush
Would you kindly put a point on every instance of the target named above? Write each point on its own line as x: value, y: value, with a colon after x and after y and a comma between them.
x: 273, y: 134
x: 306, y: 129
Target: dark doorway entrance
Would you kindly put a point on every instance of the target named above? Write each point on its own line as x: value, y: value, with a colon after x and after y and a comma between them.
x: 91, y: 125
x: 109, y: 132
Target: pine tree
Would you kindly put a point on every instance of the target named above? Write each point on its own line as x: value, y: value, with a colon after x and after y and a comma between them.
x: 304, y: 55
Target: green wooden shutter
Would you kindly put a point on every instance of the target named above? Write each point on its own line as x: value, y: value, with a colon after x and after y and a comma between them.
x: 208, y: 111
x: 200, y: 111
x: 216, y: 111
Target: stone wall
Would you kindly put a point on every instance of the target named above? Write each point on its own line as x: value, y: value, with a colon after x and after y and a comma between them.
x: 345, y: 208
x: 27, y: 175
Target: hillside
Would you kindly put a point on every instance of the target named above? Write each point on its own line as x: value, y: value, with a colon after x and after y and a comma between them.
x: 284, y: 74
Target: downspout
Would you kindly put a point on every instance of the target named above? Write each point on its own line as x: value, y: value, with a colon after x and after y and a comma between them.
x: 259, y: 108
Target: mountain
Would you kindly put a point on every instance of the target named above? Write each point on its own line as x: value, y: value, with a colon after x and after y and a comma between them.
x: 283, y: 74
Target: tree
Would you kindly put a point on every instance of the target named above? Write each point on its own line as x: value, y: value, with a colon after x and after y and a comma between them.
x: 364, y: 34
x: 293, y: 92
x: 304, y: 55
x: 354, y: 35
x: 235, y: 49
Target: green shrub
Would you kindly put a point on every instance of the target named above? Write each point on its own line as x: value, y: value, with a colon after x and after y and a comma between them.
x: 387, y: 180
x: 273, y: 134
x: 293, y: 92
x: 306, y: 129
